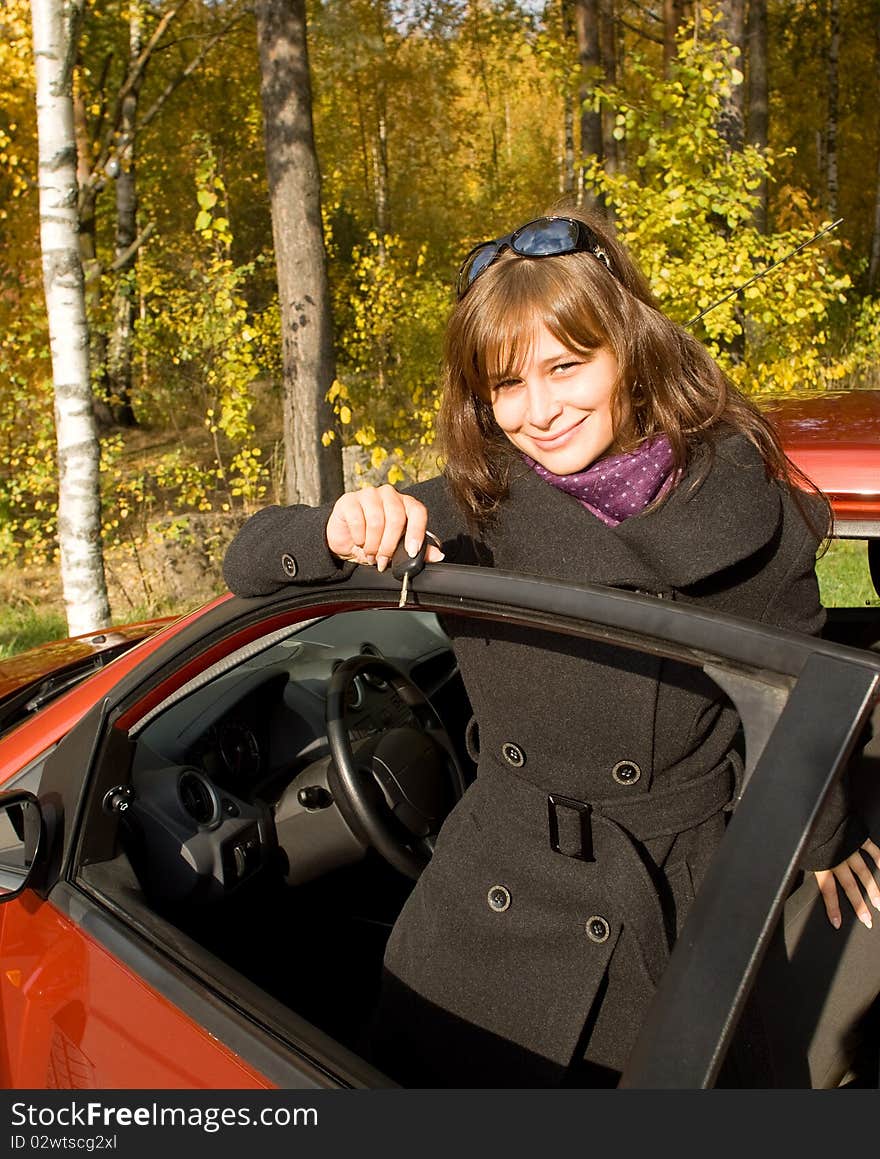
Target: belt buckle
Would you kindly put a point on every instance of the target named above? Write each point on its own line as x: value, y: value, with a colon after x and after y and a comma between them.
x: 555, y: 802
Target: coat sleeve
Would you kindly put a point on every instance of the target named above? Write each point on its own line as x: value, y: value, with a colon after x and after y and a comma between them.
x: 283, y: 545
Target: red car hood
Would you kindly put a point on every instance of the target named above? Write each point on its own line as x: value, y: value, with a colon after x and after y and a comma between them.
x: 834, y: 438
x: 37, y: 663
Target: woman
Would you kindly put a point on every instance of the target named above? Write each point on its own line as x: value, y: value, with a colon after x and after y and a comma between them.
x: 589, y: 438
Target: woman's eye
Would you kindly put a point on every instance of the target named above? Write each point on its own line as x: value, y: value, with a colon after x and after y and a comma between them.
x: 506, y: 384
x: 565, y: 367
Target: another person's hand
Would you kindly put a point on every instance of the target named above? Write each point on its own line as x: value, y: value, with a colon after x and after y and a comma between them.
x: 854, y: 875
x: 365, y: 526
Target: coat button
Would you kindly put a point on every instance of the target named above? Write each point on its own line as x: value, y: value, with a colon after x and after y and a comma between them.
x: 498, y: 898
x: 626, y: 772
x: 288, y: 566
x: 598, y: 929
x: 513, y: 754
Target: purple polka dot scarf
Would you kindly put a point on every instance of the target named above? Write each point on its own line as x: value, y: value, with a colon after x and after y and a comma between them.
x: 615, y: 488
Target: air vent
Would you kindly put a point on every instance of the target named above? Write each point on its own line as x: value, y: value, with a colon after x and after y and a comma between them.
x: 198, y: 797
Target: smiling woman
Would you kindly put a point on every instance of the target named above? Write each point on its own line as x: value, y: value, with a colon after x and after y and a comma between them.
x: 588, y: 438
x: 558, y: 408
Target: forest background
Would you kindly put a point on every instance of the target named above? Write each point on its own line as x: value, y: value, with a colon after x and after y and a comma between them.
x: 718, y: 136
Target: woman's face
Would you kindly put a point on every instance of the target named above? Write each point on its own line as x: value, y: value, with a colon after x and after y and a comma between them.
x: 558, y: 411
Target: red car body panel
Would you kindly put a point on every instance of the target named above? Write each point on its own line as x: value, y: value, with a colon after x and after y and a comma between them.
x: 75, y: 1018
x: 34, y: 736
x: 834, y: 438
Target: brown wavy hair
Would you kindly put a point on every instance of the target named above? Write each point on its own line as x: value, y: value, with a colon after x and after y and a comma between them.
x: 669, y: 380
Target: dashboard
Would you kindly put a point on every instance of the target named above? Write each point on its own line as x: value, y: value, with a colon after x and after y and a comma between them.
x: 232, y: 772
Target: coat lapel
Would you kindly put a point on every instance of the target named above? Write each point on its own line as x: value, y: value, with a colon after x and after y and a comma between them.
x: 699, y: 531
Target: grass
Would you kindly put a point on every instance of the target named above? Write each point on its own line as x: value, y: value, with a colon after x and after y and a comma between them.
x: 24, y: 627
x: 844, y: 582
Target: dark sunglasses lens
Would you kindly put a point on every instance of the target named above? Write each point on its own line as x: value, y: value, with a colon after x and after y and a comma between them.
x: 546, y: 237
x: 479, y: 260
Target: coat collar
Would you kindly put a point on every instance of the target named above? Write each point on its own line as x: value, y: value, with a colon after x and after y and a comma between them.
x: 699, y: 531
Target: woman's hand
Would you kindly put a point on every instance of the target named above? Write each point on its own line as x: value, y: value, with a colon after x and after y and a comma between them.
x: 365, y: 526
x: 849, y: 874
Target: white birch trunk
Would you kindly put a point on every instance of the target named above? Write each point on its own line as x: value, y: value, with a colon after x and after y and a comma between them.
x: 79, y: 504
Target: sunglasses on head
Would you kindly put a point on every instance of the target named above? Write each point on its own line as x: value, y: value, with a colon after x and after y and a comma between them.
x: 546, y: 237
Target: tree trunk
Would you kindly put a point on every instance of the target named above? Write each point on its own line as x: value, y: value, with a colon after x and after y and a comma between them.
x: 758, y: 96
x: 874, y: 265
x: 674, y: 13
x: 125, y: 287
x: 586, y: 19
x: 87, y: 199
x: 567, y: 180
x: 730, y: 120
x: 383, y: 222
x: 55, y: 28
x: 313, y: 471
x: 609, y: 51
x: 833, y: 95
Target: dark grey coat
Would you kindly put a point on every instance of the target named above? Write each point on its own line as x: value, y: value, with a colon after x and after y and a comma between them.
x: 511, y: 958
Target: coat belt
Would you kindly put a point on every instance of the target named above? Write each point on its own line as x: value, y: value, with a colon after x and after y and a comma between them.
x: 609, y: 832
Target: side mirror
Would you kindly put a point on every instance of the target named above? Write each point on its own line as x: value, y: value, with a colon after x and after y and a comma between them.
x: 21, y: 837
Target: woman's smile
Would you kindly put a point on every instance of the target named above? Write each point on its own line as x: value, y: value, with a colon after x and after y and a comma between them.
x: 555, y: 440
x: 558, y: 408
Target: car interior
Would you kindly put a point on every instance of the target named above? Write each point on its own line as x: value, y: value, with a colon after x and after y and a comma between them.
x: 235, y: 829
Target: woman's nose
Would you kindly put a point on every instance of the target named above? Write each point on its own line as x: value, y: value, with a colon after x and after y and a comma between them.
x: 544, y: 406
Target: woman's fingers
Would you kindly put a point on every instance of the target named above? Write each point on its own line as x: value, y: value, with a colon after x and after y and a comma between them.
x: 366, y: 526
x: 858, y: 883
x: 864, y: 873
x: 846, y: 875
x: 346, y: 529
x: 405, y: 517
x: 827, y: 884
x: 872, y: 850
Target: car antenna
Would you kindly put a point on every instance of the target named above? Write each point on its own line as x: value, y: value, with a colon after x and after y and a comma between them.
x: 763, y: 273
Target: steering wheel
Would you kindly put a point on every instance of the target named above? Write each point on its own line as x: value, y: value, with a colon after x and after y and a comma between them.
x: 394, y: 789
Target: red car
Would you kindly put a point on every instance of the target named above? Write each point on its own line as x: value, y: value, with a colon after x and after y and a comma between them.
x: 201, y: 858
x: 834, y: 438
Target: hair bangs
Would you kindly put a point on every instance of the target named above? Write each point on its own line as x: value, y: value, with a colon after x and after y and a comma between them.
x: 512, y: 300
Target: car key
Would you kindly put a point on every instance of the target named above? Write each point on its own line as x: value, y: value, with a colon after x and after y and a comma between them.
x: 404, y: 565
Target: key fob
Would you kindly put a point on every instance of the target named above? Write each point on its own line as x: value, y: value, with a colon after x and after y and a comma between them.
x: 403, y: 564
x: 410, y: 565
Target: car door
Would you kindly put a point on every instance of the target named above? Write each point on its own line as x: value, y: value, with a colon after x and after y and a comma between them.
x: 102, y: 989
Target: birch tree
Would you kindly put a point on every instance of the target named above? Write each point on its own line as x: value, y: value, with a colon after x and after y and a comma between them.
x: 55, y: 29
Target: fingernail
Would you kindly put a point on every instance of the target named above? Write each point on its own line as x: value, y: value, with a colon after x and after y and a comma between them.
x: 865, y: 919
x: 371, y: 559
x: 381, y: 562
x: 835, y: 922
x: 412, y: 547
